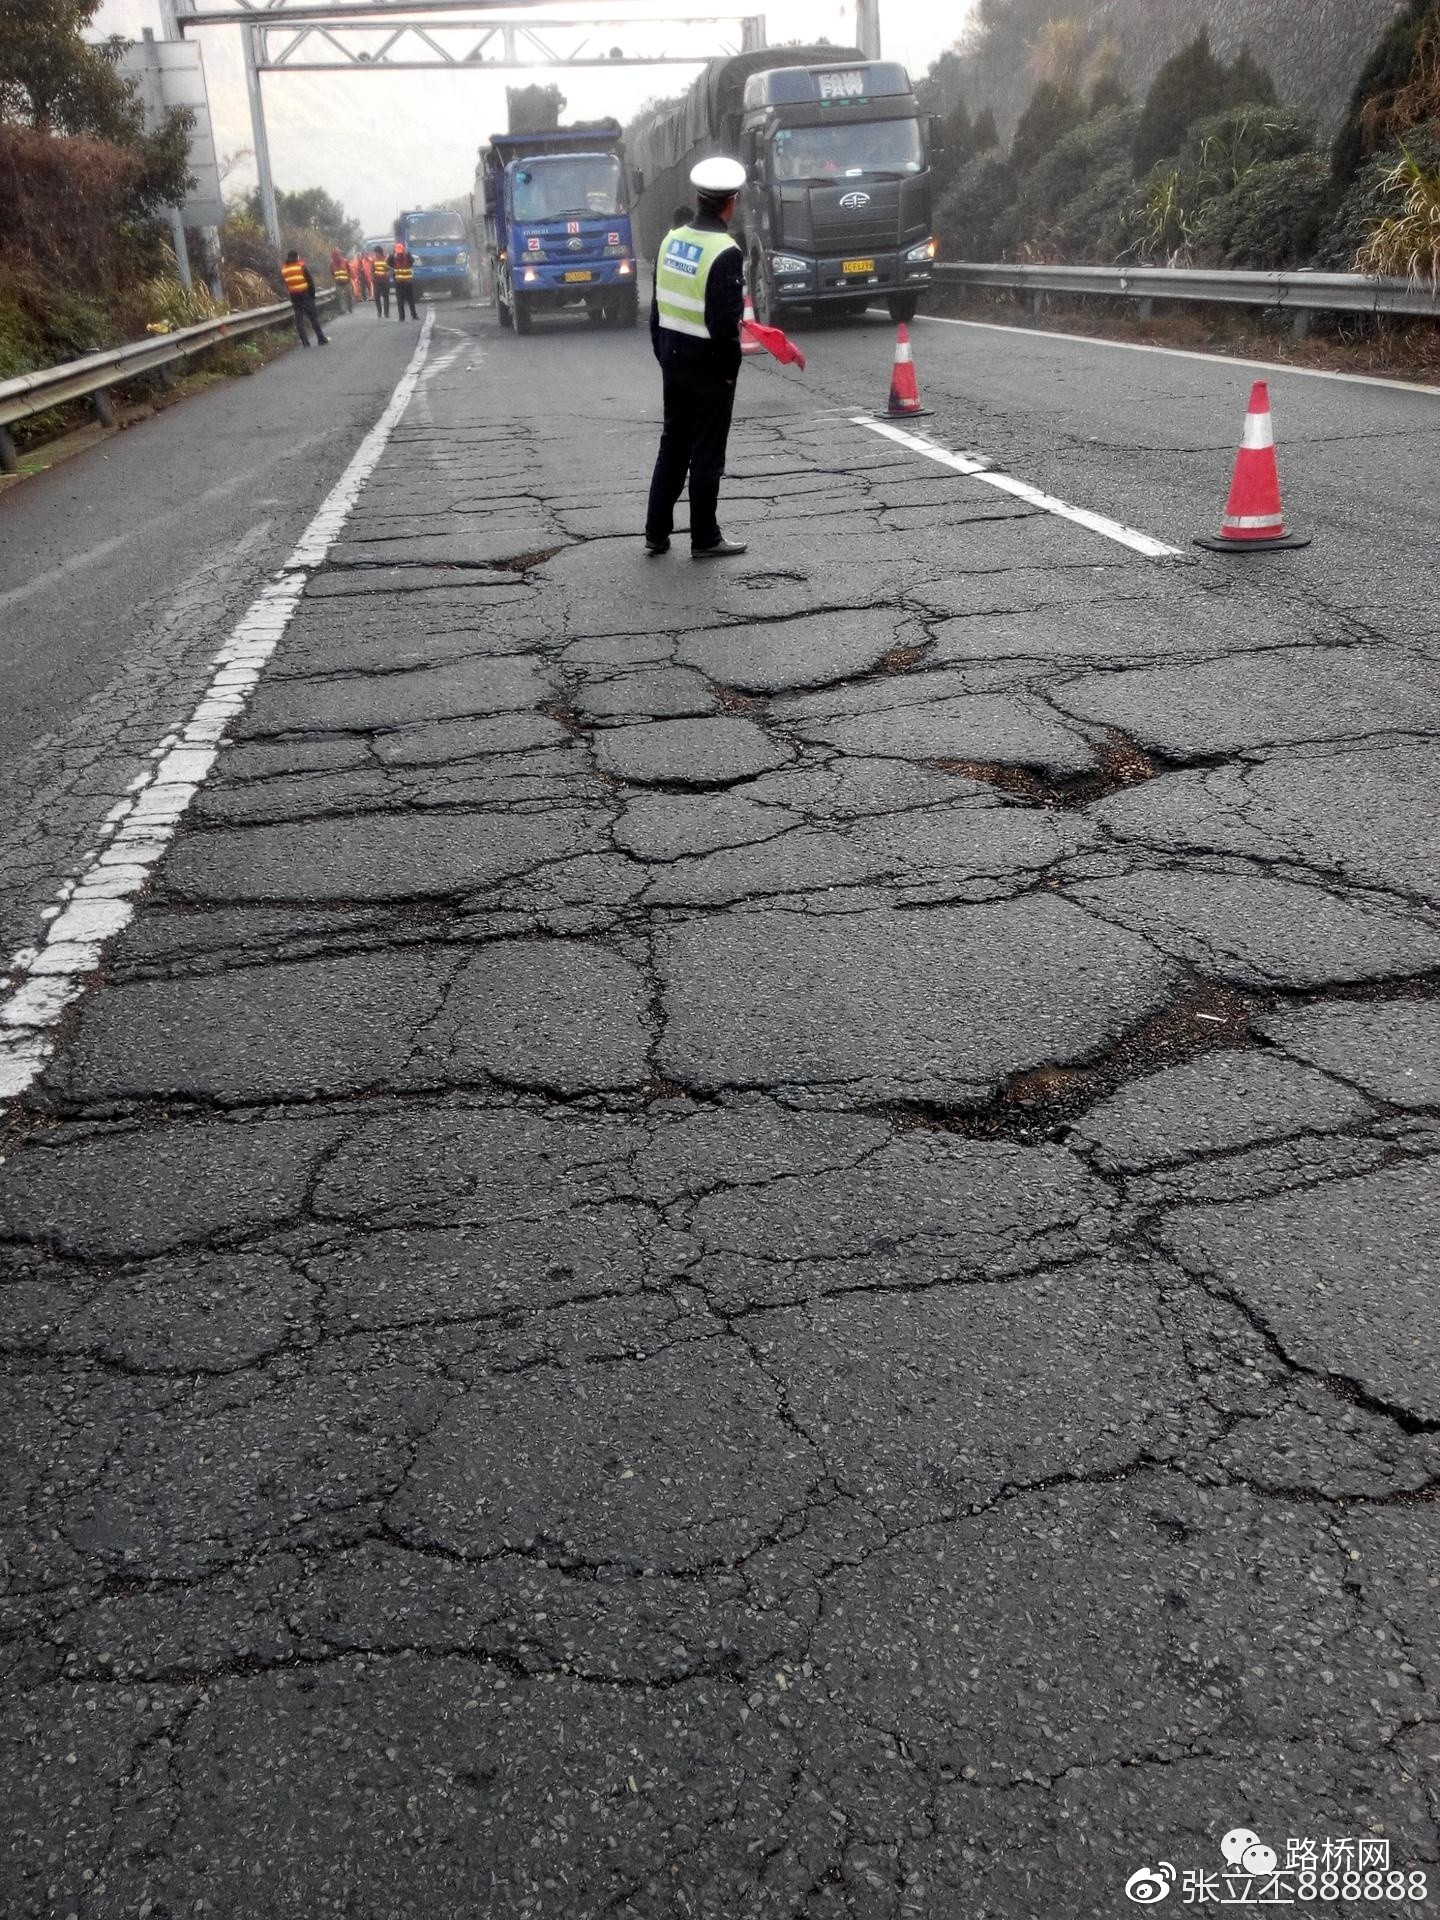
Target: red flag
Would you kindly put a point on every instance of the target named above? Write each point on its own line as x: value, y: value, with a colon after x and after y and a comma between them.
x: 774, y: 341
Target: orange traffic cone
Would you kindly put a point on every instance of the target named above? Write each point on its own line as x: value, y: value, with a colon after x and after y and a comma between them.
x: 1253, y: 520
x: 904, y: 390
x: 748, y: 343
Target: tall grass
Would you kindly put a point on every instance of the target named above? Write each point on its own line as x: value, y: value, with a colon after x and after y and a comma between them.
x: 1405, y: 244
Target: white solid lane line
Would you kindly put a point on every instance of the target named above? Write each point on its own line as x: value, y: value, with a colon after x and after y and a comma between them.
x: 976, y: 467
x: 42, y: 981
x: 1175, y: 353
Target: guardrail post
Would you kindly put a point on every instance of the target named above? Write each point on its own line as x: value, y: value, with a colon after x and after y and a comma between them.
x: 1145, y: 309
x: 9, y: 463
x: 1037, y: 302
x: 1300, y: 323
x: 104, y: 412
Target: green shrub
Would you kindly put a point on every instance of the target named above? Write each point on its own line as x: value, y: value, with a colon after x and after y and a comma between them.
x: 1270, y: 220
x: 1222, y: 148
x: 1052, y: 113
x: 973, y: 214
x: 1062, y: 211
x: 1101, y: 224
x: 1368, y: 201
x: 1382, y: 78
x: 1191, y: 86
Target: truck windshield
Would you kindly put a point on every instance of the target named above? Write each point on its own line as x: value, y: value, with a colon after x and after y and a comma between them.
x: 565, y: 186
x: 424, y: 229
x: 854, y: 150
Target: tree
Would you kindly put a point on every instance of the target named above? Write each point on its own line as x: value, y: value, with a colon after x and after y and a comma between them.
x: 1384, y: 81
x: 310, y: 209
x: 53, y: 79
x: 534, y: 109
x: 59, y: 83
x: 1107, y: 94
x: 1191, y: 86
x: 1052, y: 113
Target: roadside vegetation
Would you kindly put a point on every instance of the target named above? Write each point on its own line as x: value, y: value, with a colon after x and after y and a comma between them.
x: 1212, y: 167
x: 85, y: 185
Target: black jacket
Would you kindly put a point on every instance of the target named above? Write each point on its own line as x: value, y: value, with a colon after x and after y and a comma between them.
x: 724, y: 309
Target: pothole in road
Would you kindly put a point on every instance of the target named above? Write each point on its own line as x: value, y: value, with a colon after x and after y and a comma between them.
x: 768, y: 582
x: 523, y: 562
x: 901, y: 659
x: 1043, y: 1101
x: 1122, y: 764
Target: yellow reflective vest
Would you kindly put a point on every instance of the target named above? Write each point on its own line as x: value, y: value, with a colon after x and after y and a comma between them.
x: 682, y: 274
x: 293, y: 274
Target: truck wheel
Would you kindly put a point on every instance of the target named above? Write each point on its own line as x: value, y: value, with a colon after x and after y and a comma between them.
x: 761, y: 296
x: 521, y: 309
x: 597, y: 312
x: 903, y: 307
x: 627, y: 314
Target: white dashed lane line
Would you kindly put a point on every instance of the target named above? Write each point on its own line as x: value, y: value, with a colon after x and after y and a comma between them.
x: 977, y: 467
x: 41, y: 982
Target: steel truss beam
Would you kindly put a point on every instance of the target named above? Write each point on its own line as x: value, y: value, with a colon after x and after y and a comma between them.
x: 421, y: 44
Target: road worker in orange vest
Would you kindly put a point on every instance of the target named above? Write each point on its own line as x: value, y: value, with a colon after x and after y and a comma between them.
x: 360, y: 275
x: 380, y: 276
x: 403, y: 267
x: 340, y: 274
x: 301, y: 289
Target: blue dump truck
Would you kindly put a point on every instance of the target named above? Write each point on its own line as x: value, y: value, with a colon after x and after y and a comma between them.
x: 555, y: 212
x: 836, y: 213
x: 437, y: 243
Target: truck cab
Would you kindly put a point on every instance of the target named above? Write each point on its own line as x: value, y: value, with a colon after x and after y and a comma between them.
x: 556, y: 211
x: 837, y: 209
x: 438, y: 248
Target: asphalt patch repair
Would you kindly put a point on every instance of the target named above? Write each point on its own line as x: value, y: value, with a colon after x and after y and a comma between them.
x: 645, y: 1294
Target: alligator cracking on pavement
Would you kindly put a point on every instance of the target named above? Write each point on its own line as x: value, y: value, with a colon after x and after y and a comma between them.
x: 743, y: 1241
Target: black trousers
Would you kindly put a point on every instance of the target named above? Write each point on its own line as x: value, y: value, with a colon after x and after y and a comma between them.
x: 698, y: 406
x: 405, y: 291
x: 382, y: 299
x: 344, y: 296
x: 302, y: 305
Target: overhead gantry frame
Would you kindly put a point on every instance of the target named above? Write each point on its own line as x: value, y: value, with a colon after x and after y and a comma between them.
x: 389, y: 36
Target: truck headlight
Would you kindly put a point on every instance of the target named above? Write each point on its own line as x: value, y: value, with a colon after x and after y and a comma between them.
x: 624, y: 269
x: 925, y: 251
x: 787, y: 263
x: 462, y: 259
x: 528, y: 275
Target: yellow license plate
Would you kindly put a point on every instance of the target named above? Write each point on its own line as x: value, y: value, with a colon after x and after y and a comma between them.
x: 857, y: 266
x: 586, y: 275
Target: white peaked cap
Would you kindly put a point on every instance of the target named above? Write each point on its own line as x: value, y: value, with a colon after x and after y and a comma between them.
x: 717, y: 176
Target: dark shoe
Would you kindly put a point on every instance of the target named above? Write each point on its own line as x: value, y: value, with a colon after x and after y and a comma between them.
x: 721, y: 550
x: 324, y: 339
x: 656, y: 547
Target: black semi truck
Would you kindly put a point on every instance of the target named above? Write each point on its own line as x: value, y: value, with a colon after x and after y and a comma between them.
x: 836, y: 213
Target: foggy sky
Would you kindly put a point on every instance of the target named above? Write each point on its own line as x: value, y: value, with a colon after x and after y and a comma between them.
x: 380, y: 142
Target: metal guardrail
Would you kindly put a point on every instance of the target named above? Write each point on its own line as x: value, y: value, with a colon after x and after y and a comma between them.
x: 31, y: 393
x: 1300, y: 293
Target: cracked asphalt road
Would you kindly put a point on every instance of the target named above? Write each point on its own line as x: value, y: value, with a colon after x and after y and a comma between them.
x: 759, y: 1240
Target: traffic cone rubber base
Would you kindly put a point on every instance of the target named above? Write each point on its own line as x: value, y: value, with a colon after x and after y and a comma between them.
x: 1218, y: 544
x: 903, y: 413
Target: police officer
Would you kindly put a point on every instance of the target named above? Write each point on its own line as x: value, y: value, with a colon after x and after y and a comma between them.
x: 695, y: 330
x: 403, y: 268
x: 380, y: 277
x: 301, y: 289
